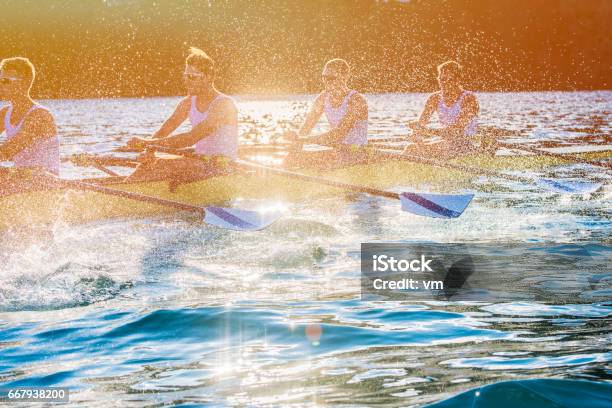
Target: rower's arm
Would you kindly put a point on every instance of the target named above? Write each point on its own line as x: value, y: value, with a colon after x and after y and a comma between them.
x: 180, y: 114
x: 469, y: 110
x: 420, y: 126
x: 429, y: 109
x: 313, y: 116
x: 39, y: 125
x: 222, y: 113
x: 2, y: 116
x: 357, y: 110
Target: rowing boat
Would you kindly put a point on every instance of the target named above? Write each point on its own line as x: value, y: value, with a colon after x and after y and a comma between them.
x: 43, y: 206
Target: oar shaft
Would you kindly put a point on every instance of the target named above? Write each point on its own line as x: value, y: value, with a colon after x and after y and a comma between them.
x: 93, y: 160
x: 116, y: 161
x: 79, y: 185
x: 103, y: 169
x: 563, y: 156
x: 389, y: 139
x: 258, y: 149
x: 447, y: 165
x: 299, y: 176
x: 313, y: 179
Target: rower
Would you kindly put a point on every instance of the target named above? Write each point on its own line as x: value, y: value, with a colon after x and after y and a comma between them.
x: 347, y: 113
x: 457, y: 111
x: 31, y: 138
x: 214, y: 129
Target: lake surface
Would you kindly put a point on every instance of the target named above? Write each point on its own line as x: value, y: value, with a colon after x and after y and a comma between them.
x: 167, y: 311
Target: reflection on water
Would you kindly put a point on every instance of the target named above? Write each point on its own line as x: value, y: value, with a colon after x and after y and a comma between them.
x: 168, y: 311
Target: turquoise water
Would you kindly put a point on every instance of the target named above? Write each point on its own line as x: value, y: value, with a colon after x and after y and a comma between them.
x: 170, y: 311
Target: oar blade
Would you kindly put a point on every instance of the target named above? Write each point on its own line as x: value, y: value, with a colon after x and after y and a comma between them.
x: 569, y: 187
x: 240, y: 220
x: 435, y: 205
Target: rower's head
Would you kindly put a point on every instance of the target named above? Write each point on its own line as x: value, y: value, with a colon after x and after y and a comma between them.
x: 336, y: 73
x: 199, y: 72
x: 16, y: 77
x: 449, y: 75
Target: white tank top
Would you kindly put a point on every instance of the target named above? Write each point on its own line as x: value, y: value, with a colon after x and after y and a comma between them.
x: 44, y: 153
x: 358, y: 134
x: 222, y: 142
x: 449, y: 115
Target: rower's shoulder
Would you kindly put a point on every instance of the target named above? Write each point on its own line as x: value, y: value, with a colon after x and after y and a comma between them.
x: 470, y: 101
x: 40, y: 120
x: 470, y: 96
x: 320, y: 98
x: 225, y: 106
x: 185, y: 101
x: 358, y: 98
x: 226, y: 101
x: 434, y: 97
x: 40, y: 115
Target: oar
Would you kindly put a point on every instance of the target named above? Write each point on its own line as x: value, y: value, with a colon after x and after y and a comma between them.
x: 423, y: 204
x: 498, y: 133
x: 227, y: 218
x: 92, y: 160
x: 559, y: 186
x: 100, y: 162
x: 394, y: 139
x: 563, y: 156
x: 381, y: 143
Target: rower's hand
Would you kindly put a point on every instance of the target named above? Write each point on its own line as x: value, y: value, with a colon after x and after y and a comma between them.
x: 291, y: 136
x: 82, y: 159
x: 414, y: 125
x: 418, y: 130
x: 147, y: 156
x: 137, y: 143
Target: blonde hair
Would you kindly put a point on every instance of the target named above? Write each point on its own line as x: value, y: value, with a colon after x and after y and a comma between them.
x: 339, y: 65
x: 201, y: 61
x: 451, y: 68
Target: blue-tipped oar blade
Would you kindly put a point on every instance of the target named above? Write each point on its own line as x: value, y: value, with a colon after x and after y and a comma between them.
x: 435, y: 205
x: 568, y: 187
x: 240, y: 220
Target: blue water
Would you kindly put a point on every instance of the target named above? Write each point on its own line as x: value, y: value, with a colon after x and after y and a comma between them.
x: 170, y: 311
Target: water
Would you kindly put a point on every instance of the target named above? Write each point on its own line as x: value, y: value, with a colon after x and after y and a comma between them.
x: 168, y: 311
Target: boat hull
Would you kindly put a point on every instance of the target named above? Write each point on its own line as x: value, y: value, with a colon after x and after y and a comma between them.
x: 52, y: 206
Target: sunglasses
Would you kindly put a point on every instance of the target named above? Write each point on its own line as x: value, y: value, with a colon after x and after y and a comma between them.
x: 8, y: 80
x: 329, y: 77
x: 193, y: 77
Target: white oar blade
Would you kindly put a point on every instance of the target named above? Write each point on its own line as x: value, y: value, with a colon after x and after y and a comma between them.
x: 569, y: 187
x: 240, y: 220
x: 435, y: 205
